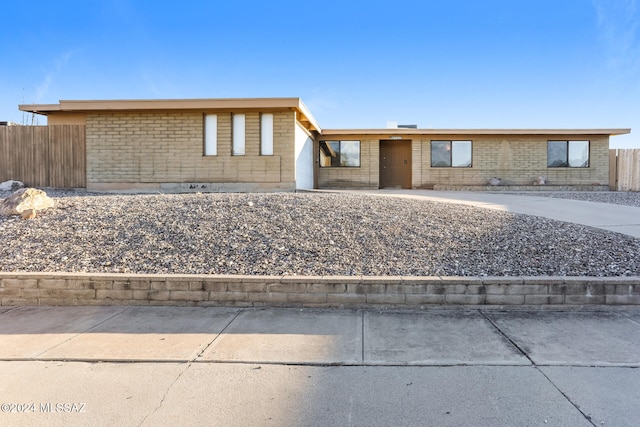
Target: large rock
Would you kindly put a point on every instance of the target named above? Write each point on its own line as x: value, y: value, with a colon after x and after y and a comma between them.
x: 11, y: 185
x: 24, y: 199
x: 495, y: 181
x: 541, y: 180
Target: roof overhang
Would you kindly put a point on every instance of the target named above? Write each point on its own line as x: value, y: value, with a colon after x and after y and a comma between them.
x: 303, y: 115
x: 218, y: 104
x: 400, y: 132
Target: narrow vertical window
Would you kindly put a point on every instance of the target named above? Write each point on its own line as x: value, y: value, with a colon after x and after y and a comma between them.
x: 238, y: 135
x: 211, y: 135
x: 266, y: 134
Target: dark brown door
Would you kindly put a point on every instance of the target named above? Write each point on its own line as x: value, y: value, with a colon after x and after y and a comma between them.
x: 395, y: 164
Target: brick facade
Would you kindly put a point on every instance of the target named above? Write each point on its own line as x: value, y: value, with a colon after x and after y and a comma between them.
x: 158, y: 145
x: 365, y: 176
x: 516, y: 159
x: 167, y: 147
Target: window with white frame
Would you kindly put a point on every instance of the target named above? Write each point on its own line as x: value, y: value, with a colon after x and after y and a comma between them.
x: 210, y: 135
x: 266, y: 134
x: 567, y: 154
x: 238, y: 135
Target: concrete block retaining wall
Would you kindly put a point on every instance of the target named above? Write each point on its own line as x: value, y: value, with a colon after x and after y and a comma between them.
x: 17, y: 289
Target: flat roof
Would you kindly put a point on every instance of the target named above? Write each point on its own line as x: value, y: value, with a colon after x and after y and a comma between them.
x: 290, y: 104
x: 293, y: 104
x: 389, y: 133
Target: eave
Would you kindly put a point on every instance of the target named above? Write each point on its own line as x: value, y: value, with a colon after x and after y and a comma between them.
x: 399, y: 132
x: 212, y: 104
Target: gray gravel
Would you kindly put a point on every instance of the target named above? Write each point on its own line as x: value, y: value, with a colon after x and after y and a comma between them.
x: 628, y: 198
x: 303, y: 234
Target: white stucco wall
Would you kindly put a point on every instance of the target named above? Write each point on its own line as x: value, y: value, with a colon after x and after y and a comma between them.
x: 304, y: 159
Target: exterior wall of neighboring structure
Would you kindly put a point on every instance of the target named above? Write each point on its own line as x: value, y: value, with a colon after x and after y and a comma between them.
x: 515, y: 159
x: 165, y: 150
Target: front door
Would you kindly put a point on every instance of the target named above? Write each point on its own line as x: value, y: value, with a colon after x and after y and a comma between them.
x: 395, y: 164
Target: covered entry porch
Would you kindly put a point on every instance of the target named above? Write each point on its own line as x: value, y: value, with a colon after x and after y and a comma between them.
x: 367, y: 159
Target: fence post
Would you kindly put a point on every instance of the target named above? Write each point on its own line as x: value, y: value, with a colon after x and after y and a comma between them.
x: 613, y: 169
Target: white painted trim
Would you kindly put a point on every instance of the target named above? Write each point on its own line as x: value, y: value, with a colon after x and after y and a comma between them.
x: 266, y: 134
x: 238, y: 134
x: 211, y: 135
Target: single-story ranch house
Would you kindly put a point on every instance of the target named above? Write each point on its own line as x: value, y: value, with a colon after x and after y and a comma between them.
x: 276, y: 144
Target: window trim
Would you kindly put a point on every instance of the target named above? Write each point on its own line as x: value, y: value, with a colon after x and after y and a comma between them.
x: 266, y: 134
x: 320, y: 143
x: 210, y: 143
x: 238, y: 134
x: 451, y: 141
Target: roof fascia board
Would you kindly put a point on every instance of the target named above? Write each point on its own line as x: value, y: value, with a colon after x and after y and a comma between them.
x: 400, y: 131
x: 306, y: 114
x: 39, y: 108
x: 164, y: 104
x: 178, y: 104
x: 292, y: 104
x: 218, y: 104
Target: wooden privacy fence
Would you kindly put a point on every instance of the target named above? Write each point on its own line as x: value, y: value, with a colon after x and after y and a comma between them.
x: 624, y: 169
x: 44, y: 156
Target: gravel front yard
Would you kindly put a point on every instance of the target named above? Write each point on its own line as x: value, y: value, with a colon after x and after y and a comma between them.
x: 303, y: 234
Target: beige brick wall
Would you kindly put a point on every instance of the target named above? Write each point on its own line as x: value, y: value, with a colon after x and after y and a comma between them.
x: 161, y: 147
x: 367, y: 175
x: 517, y: 160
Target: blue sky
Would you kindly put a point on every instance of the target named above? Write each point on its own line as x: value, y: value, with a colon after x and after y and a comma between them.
x: 437, y: 64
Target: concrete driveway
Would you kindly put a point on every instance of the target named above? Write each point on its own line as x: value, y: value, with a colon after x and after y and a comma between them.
x: 606, y: 216
x: 149, y: 366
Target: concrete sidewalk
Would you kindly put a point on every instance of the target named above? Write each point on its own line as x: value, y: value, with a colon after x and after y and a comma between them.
x: 606, y: 216
x: 229, y: 366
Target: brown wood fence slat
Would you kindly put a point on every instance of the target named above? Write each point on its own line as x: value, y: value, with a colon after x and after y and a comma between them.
x: 44, y: 156
x: 624, y: 169
x: 628, y: 170
x: 6, y: 165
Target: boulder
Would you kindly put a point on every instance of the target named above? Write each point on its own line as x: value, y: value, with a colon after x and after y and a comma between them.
x: 541, y: 180
x: 495, y: 181
x: 11, y: 185
x: 24, y: 199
